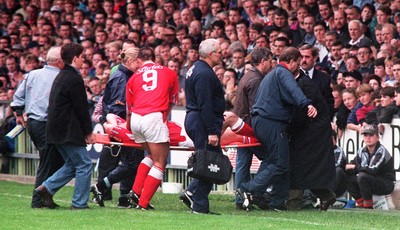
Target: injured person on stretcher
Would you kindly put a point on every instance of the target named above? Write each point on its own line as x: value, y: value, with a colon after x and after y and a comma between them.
x: 235, y: 132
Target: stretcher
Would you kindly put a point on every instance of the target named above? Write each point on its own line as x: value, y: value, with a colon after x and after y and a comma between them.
x: 105, y: 139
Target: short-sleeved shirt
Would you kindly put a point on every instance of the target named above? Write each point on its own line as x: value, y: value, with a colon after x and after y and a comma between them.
x: 151, y: 89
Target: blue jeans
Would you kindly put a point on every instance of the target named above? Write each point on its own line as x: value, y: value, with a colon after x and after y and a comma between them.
x: 77, y: 165
x: 244, y: 158
x: 242, y: 171
x: 274, y: 169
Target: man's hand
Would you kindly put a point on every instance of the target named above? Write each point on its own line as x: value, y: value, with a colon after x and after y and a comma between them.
x: 90, y: 138
x: 350, y: 167
x: 312, y: 111
x: 20, y: 120
x: 213, y: 140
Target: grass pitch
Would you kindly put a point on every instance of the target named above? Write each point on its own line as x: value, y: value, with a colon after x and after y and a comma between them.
x: 170, y: 213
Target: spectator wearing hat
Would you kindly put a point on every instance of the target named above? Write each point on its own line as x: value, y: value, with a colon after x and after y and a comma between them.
x: 17, y: 50
x: 372, y: 170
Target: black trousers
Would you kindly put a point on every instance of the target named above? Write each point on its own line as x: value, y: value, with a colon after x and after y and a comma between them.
x: 50, y: 159
x: 340, y: 182
x: 107, y: 163
x: 365, y: 185
x: 125, y: 172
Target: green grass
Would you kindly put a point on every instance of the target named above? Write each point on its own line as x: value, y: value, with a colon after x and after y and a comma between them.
x: 170, y: 213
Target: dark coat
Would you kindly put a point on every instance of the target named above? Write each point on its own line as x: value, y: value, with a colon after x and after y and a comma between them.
x: 68, y: 120
x: 323, y: 81
x: 310, y: 147
x: 246, y: 94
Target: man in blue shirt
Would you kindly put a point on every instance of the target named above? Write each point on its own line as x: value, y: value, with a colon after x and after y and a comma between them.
x: 32, y: 98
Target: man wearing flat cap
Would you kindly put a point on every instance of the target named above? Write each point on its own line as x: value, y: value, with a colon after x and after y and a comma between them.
x: 371, y: 171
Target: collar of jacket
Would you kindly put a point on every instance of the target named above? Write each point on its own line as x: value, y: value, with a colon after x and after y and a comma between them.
x: 125, y: 70
x: 71, y: 68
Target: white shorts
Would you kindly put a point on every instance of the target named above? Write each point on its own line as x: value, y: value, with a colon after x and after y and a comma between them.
x: 149, y: 128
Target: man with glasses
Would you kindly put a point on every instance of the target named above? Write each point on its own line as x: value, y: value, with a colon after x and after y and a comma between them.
x: 364, y: 56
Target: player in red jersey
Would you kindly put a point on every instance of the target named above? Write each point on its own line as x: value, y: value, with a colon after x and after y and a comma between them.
x: 150, y: 95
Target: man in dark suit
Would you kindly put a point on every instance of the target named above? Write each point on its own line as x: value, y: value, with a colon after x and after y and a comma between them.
x: 69, y: 128
x: 309, y: 56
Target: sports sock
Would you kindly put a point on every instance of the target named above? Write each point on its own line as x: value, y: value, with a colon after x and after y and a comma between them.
x: 241, y: 128
x: 360, y: 202
x: 153, y: 180
x: 249, y: 140
x: 143, y: 170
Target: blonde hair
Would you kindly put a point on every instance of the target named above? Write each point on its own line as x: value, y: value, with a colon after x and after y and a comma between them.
x: 130, y: 53
x: 364, y: 88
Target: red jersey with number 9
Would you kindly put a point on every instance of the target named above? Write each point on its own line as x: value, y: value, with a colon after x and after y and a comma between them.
x: 151, y: 89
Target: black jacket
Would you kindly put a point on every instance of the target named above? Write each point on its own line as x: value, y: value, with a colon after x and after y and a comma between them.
x: 68, y: 120
x: 312, y: 160
x: 323, y: 81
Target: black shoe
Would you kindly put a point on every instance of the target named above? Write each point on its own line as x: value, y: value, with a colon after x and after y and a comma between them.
x: 186, y: 199
x: 73, y: 207
x: 325, y: 204
x: 123, y: 202
x: 98, y: 196
x: 261, y: 201
x: 247, y: 202
x: 47, y: 198
x: 133, y: 197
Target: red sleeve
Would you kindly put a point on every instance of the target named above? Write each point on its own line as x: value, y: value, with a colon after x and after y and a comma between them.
x: 173, y: 96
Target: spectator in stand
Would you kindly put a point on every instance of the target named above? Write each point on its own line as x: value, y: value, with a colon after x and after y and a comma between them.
x: 308, y: 26
x: 372, y: 170
x: 366, y: 104
x: 374, y: 81
x: 389, y: 64
x: 379, y: 70
x: 384, y: 112
x: 356, y: 34
x: 365, y: 57
x: 352, y: 63
x: 319, y: 33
